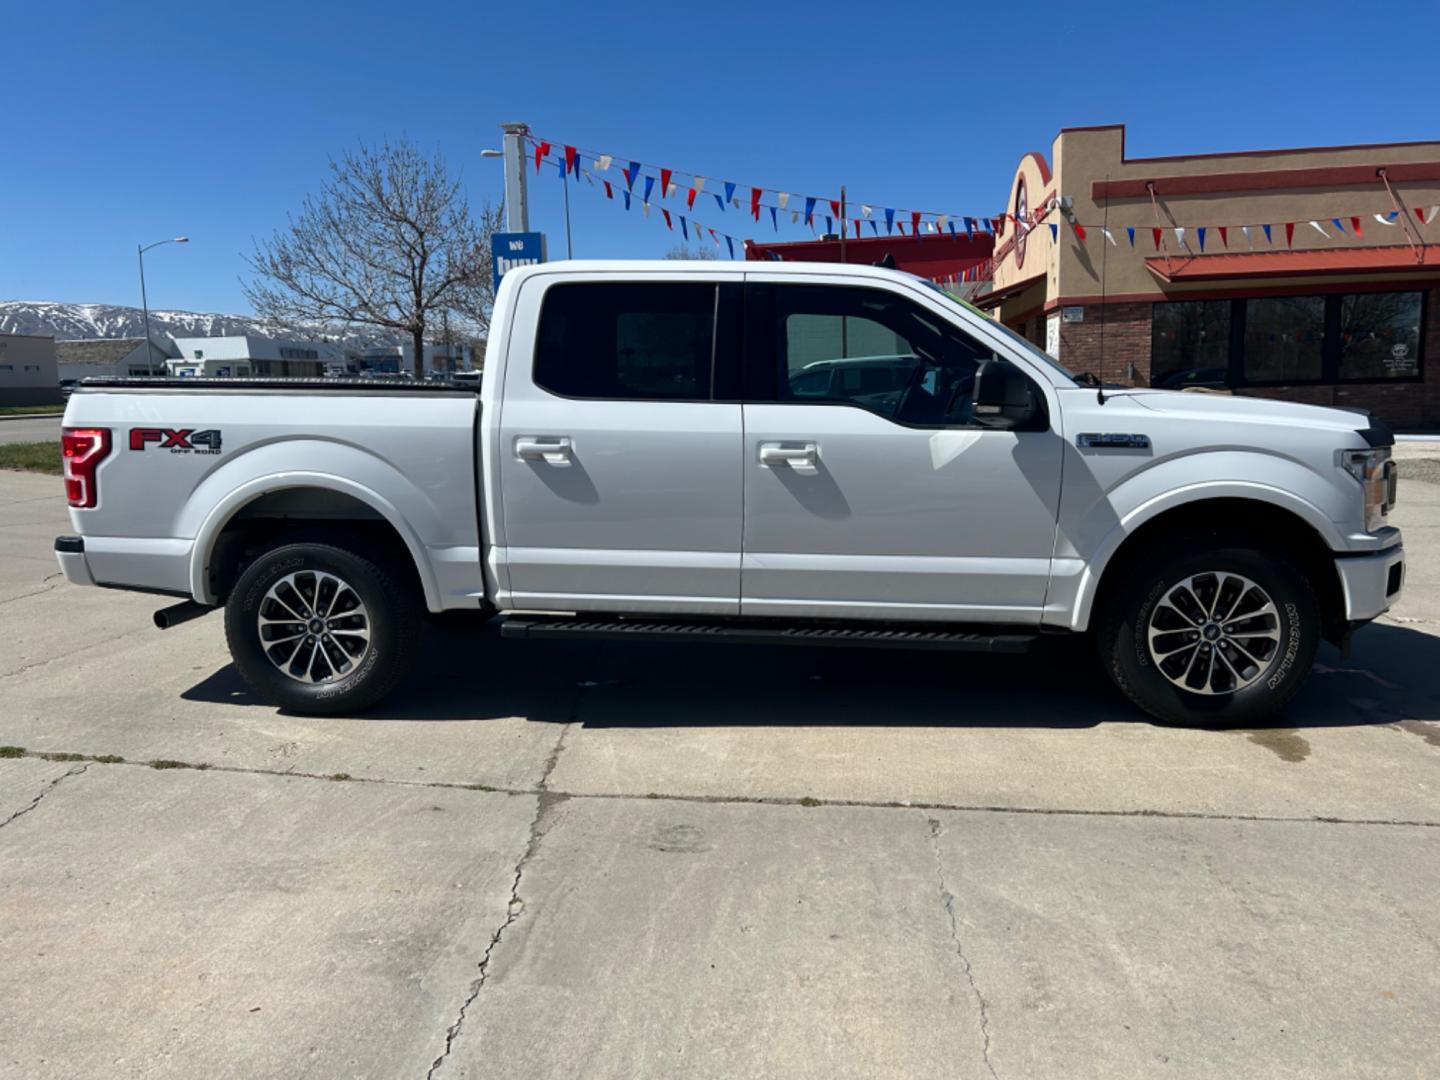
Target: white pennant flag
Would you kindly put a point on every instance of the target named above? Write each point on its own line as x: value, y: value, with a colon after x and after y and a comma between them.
x: 645, y: 208
x: 1180, y: 235
x: 700, y: 186
x: 603, y: 162
x: 1108, y: 235
x: 794, y: 216
x: 1248, y: 241
x: 1316, y: 226
x: 1430, y: 215
x: 671, y: 188
x: 590, y: 178
x: 865, y: 211
x: 783, y: 198
x: 940, y: 221
x: 735, y: 203
x: 1381, y: 219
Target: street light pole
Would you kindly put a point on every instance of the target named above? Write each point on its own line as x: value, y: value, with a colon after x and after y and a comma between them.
x: 144, y: 302
x: 517, y: 203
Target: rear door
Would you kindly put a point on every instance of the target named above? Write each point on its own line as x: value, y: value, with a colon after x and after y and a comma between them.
x: 870, y: 491
x: 620, y: 454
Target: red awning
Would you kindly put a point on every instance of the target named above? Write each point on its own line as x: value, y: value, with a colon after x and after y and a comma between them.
x: 1392, y: 259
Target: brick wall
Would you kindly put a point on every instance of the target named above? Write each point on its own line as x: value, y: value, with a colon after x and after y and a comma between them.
x: 1126, y: 342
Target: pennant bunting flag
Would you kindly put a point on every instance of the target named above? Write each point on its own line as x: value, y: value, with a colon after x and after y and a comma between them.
x: 670, y: 189
x: 1109, y: 236
x: 835, y: 207
x: 1180, y: 235
x: 699, y: 183
x: 542, y: 150
x: 1130, y: 230
x: 1431, y: 214
x: 627, y: 199
x: 690, y: 198
x: 782, y: 199
x: 719, y: 201
x: 774, y: 219
x: 608, y: 193
x: 989, y: 224
x: 730, y: 243
x: 1355, y: 226
x: 1290, y: 234
x: 809, y: 211
x: 631, y: 172
x: 1249, y: 242
x: 942, y: 221
x: 1268, y: 238
x: 1224, y: 236
x: 572, y: 160
x: 794, y: 217
x: 1200, y: 237
x: 1080, y: 232
x: 649, y: 186
x: 1155, y: 233
x: 668, y: 223
x: 889, y: 221
x: 970, y: 228
x: 1054, y: 231
x: 729, y: 192
x: 1318, y: 228
x: 866, y: 211
x: 829, y: 225
x: 735, y: 202
x: 874, y: 227
x: 1336, y: 222
x: 602, y: 163
x: 665, y: 185
x: 560, y: 170
x: 684, y: 230
x: 755, y: 194
x: 915, y: 222
x: 712, y: 235
x: 1420, y: 215
x: 1386, y: 219
x: 645, y: 208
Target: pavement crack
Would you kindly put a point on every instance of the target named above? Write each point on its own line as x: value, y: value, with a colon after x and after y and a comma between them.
x: 947, y: 898
x: 51, y: 786
x: 50, y: 581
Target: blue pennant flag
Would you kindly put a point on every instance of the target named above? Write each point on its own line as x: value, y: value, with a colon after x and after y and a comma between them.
x: 730, y: 243
x: 563, y: 170
x: 809, y: 211
x: 1392, y: 215
x: 729, y: 191
x: 774, y: 219
x: 889, y: 221
x: 719, y: 201
x: 1200, y: 235
x: 649, y: 183
x: 874, y: 228
x: 951, y: 226
x: 631, y: 173
x: 970, y: 228
x: 1130, y: 229
x: 1267, y: 234
x: 990, y: 226
x: 1336, y: 222
x: 683, y: 230
x: 627, y: 199
x: 1054, y: 231
x: 829, y: 224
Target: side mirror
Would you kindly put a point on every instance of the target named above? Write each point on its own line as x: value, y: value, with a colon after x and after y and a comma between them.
x: 1005, y: 398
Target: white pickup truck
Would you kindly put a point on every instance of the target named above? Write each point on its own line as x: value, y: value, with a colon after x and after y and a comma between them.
x: 777, y: 453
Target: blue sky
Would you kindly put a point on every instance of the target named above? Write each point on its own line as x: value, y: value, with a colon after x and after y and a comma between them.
x: 133, y: 122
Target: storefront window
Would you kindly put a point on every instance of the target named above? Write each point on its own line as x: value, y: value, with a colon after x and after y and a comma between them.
x: 1380, y: 336
x: 1190, y: 344
x: 1284, y: 339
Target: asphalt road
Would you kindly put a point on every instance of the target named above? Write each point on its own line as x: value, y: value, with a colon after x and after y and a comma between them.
x: 26, y: 429
x: 545, y: 860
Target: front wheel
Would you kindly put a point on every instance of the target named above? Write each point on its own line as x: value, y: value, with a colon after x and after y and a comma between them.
x: 320, y: 629
x: 1211, y: 634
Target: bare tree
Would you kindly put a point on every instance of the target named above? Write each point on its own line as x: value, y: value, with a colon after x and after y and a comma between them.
x: 685, y: 251
x: 475, y: 299
x: 387, y: 242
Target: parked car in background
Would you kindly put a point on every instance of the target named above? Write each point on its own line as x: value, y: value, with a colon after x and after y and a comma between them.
x: 793, y: 453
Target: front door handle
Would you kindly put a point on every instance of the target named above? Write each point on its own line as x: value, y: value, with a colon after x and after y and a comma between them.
x: 551, y: 449
x: 800, y: 456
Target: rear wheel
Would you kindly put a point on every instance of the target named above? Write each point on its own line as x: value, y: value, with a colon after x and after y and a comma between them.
x: 1211, y: 634
x: 317, y: 628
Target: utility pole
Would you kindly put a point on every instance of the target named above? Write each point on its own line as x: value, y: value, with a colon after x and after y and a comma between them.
x: 517, y: 203
x: 145, y: 303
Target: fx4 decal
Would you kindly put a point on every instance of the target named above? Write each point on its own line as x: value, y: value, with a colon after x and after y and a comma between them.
x: 176, y: 440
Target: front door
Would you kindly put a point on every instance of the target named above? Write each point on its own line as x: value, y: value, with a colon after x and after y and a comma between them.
x: 870, y: 492
x: 619, y: 468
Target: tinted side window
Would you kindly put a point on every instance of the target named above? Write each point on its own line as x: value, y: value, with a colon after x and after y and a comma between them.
x: 871, y: 348
x: 628, y: 341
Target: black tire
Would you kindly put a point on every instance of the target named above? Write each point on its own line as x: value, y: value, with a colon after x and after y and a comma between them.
x: 1122, y: 634
x: 392, y: 617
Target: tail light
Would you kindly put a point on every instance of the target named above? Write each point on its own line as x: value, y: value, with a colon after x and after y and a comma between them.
x: 83, y: 450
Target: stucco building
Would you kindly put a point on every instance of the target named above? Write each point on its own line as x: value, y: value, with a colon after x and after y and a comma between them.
x: 27, y: 370
x: 1309, y: 274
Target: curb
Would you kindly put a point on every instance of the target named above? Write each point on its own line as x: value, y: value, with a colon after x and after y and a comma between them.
x: 32, y: 416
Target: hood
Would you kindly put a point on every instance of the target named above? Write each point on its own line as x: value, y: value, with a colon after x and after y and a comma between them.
x: 1253, y: 410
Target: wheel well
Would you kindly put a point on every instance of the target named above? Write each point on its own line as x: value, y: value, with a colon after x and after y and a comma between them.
x: 1247, y: 522
x: 311, y: 512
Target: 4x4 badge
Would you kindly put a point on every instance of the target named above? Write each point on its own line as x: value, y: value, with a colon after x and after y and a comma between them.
x: 176, y: 440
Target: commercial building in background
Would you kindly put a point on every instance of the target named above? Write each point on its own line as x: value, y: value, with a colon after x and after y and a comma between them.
x: 959, y: 262
x: 1304, y: 274
x: 244, y: 356
x: 27, y: 370
x: 399, y: 359
x: 84, y: 358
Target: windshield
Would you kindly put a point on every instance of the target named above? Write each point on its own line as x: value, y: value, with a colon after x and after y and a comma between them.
x: 1028, y: 348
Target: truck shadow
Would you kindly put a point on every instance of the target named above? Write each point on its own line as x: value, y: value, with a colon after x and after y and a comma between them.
x: 470, y: 673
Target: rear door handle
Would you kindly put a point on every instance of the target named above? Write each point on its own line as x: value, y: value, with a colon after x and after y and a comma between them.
x: 551, y: 449
x: 800, y: 456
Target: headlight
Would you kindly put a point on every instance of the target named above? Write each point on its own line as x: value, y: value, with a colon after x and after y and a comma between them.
x: 1377, y: 476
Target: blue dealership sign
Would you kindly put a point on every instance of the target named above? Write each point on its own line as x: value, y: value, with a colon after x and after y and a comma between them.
x: 512, y: 249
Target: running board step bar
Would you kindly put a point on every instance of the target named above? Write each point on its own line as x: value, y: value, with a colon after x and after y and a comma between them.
x: 758, y: 633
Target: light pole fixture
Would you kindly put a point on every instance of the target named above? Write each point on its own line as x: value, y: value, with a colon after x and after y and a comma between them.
x: 144, y: 303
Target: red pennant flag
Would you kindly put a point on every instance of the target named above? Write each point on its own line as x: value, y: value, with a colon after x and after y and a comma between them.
x: 1080, y: 232
x: 1156, y: 234
x: 690, y: 199
x: 915, y: 222
x: 1290, y: 233
x: 999, y: 223
x: 1420, y: 215
x: 857, y: 228
x: 571, y: 165
x: 1224, y: 236
x: 541, y: 150
x: 755, y: 194
x: 1355, y: 226
x: 835, y: 207
x: 664, y: 182
x: 608, y: 193
x: 668, y: 223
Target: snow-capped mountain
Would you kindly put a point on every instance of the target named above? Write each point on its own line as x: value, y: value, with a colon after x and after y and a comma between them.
x: 72, y: 321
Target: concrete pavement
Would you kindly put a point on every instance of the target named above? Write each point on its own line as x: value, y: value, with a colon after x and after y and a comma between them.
x: 30, y: 429
x: 657, y: 860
